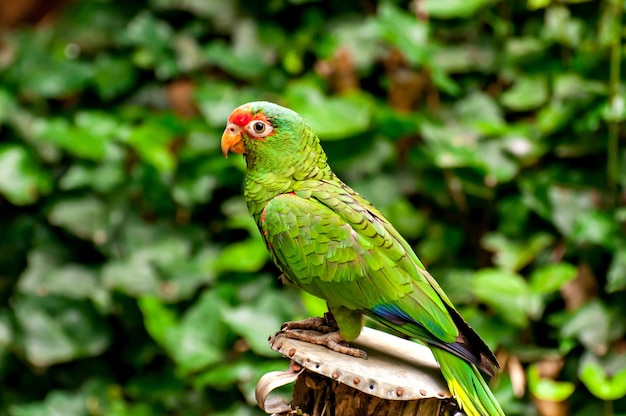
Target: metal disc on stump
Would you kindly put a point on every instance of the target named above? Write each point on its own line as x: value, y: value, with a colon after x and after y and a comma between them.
x: 399, y: 378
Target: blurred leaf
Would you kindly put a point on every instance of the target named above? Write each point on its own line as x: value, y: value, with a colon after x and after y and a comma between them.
x: 602, y: 384
x: 151, y: 38
x: 236, y: 210
x: 595, y: 325
x: 568, y: 206
x: 256, y: 317
x: 134, y: 277
x: 480, y: 111
x: 246, y: 256
x: 104, y: 177
x: 440, y: 241
x: 614, y: 109
x: 409, y: 222
x: 7, y: 106
x: 402, y: 30
x: 153, y: 141
x: 572, y: 86
x: 508, y: 294
x: 595, y: 227
x: 561, y: 27
x: 247, y: 57
x: 520, y: 49
x: 85, y: 217
x: 514, y: 255
x: 199, y: 339
x: 513, y: 216
x: 7, y: 335
x: 89, y: 137
x: 22, y: 181
x: 56, y: 403
x: 49, y: 76
x: 555, y: 116
x: 158, y: 386
x: 379, y: 190
x: 57, y: 330
x: 331, y: 118
x: 527, y: 93
x: 45, y: 276
x: 113, y: 76
x: 255, y: 323
x: 547, y: 389
x: 194, y: 191
x: 464, y: 58
x: 244, y: 372
x: 185, y: 275
x: 448, y: 9
x: 158, y: 318
x: 616, y: 276
x: 552, y: 277
x: 360, y: 37
x: 121, y: 408
x: 452, y: 146
x: 194, y: 341
x: 219, y: 13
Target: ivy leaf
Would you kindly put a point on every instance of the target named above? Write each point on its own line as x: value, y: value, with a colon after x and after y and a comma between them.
x: 601, y: 383
x: 331, y: 118
x: 550, y: 278
x: 527, y: 93
x: 547, y: 389
x: 246, y: 256
x: 22, y: 181
x: 86, y: 217
x: 595, y: 325
x: 448, y: 9
x: 56, y: 330
x: 508, y: 294
x: 514, y: 255
x: 616, y: 276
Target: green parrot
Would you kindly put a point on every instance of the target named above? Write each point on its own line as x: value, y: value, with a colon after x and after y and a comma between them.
x: 331, y: 242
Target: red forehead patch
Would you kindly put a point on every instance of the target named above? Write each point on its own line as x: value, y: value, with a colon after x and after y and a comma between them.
x: 242, y: 116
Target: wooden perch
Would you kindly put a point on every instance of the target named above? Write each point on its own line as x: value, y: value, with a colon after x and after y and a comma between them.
x: 399, y: 378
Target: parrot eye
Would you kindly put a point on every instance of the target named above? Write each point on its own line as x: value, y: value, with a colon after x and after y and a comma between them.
x: 259, y: 129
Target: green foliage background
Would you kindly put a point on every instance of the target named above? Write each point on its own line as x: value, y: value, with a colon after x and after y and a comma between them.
x: 490, y: 132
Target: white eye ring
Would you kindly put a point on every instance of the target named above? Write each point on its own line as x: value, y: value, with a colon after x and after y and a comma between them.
x: 259, y: 129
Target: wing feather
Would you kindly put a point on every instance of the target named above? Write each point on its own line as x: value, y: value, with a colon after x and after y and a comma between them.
x: 345, y: 252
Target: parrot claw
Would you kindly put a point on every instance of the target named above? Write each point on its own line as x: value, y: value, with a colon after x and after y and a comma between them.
x: 317, y: 323
x: 331, y: 339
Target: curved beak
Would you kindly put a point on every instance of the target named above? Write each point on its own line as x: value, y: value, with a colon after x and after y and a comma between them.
x: 232, y: 140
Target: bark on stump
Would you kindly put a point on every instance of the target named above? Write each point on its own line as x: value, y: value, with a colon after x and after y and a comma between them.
x: 399, y: 378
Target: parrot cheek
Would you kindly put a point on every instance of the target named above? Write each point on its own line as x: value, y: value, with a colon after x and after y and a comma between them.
x: 232, y: 142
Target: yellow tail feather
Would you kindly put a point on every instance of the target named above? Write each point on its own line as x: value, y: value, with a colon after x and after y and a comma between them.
x: 467, y: 385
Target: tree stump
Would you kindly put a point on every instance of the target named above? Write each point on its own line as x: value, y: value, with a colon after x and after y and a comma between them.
x: 399, y: 378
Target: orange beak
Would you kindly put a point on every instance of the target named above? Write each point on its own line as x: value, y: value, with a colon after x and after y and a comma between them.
x: 232, y: 141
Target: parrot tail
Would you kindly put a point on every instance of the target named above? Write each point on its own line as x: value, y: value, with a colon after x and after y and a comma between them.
x: 467, y: 385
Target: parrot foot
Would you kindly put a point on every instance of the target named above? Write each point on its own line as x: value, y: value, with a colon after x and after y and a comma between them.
x: 324, y: 324
x: 331, y: 340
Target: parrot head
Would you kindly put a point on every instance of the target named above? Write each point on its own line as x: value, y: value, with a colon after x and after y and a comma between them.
x: 268, y: 135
